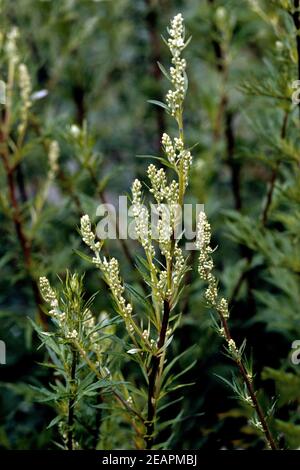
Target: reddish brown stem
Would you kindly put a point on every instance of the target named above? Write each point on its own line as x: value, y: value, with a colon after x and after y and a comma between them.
x: 248, y: 382
x: 296, y: 19
x: 274, y: 175
x: 265, y: 210
x: 226, y: 116
x: 24, y: 242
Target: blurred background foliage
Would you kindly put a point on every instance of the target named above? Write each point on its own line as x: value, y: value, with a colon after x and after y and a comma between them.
x: 94, y: 64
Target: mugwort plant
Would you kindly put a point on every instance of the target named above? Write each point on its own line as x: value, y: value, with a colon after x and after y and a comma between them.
x: 90, y: 356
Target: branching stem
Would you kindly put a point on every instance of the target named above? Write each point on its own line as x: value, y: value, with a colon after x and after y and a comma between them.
x: 24, y: 241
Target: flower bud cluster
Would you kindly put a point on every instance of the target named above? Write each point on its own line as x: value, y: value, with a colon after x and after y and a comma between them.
x: 176, y: 43
x: 109, y: 268
x: 177, y: 156
x: 25, y: 90
x: 206, y: 265
x: 53, y: 156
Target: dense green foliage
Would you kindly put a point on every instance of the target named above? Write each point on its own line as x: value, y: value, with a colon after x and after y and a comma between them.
x: 93, y: 69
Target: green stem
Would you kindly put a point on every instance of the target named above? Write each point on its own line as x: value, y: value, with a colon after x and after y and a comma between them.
x: 154, y: 373
x: 71, y: 404
x: 296, y: 19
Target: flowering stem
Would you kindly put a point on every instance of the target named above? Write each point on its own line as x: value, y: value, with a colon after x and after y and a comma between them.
x: 124, y: 247
x: 181, y: 176
x: 221, y: 307
x: 10, y: 84
x: 248, y: 382
x: 174, y: 100
x: 24, y: 242
x: 296, y: 19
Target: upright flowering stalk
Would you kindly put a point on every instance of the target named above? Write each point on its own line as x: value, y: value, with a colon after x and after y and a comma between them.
x: 169, y: 197
x: 110, y: 270
x: 247, y: 392
x: 73, y: 326
x: 11, y: 153
x: 76, y: 341
x: 25, y: 92
x: 165, y: 276
x: 53, y: 167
